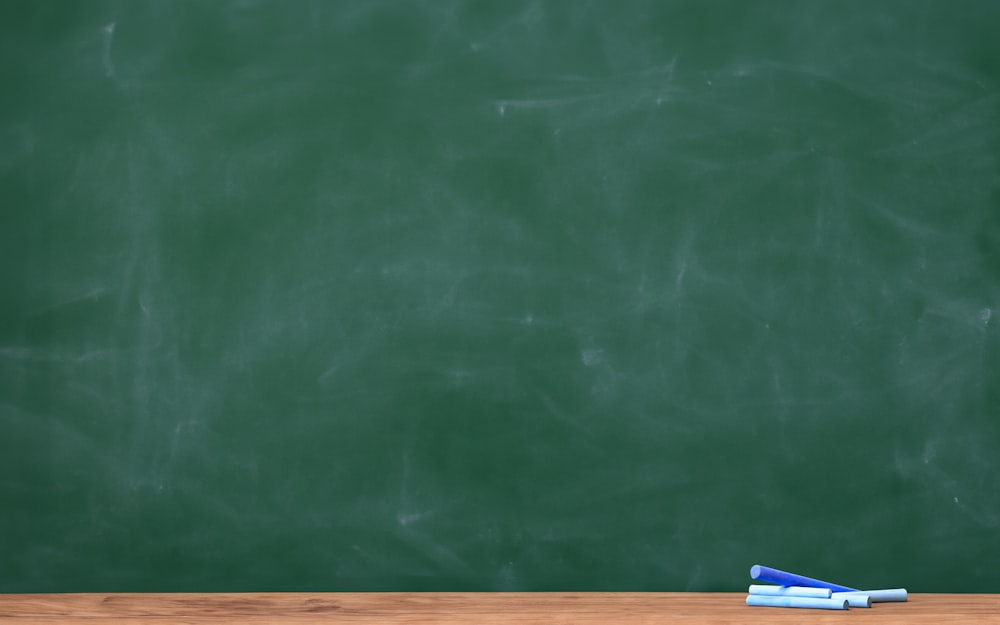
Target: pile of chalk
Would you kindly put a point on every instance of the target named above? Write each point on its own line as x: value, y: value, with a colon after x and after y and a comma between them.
x: 788, y: 590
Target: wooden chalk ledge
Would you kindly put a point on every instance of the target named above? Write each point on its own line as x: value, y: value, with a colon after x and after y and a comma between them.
x: 454, y: 608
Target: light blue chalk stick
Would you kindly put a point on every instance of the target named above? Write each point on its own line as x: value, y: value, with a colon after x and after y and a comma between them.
x: 789, y: 591
x: 879, y: 596
x: 854, y: 599
x: 797, y: 602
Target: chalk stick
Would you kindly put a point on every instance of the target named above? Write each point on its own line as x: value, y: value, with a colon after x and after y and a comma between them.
x: 797, y: 602
x: 789, y: 591
x: 854, y: 599
x: 774, y: 576
x: 880, y: 596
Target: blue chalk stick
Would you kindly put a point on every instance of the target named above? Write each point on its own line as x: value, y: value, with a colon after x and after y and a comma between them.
x: 797, y: 602
x: 789, y: 591
x: 774, y: 576
x: 880, y: 596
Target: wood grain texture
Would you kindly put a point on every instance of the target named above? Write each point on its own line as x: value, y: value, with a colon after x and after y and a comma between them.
x: 453, y: 608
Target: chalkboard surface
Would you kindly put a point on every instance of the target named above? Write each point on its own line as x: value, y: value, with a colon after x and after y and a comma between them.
x: 539, y: 295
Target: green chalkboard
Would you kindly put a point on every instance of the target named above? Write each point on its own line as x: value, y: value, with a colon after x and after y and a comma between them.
x: 522, y: 295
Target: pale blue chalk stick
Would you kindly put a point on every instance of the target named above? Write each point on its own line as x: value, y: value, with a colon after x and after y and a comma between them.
x: 854, y: 599
x: 880, y: 596
x: 797, y: 602
x: 783, y: 578
x: 789, y: 591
